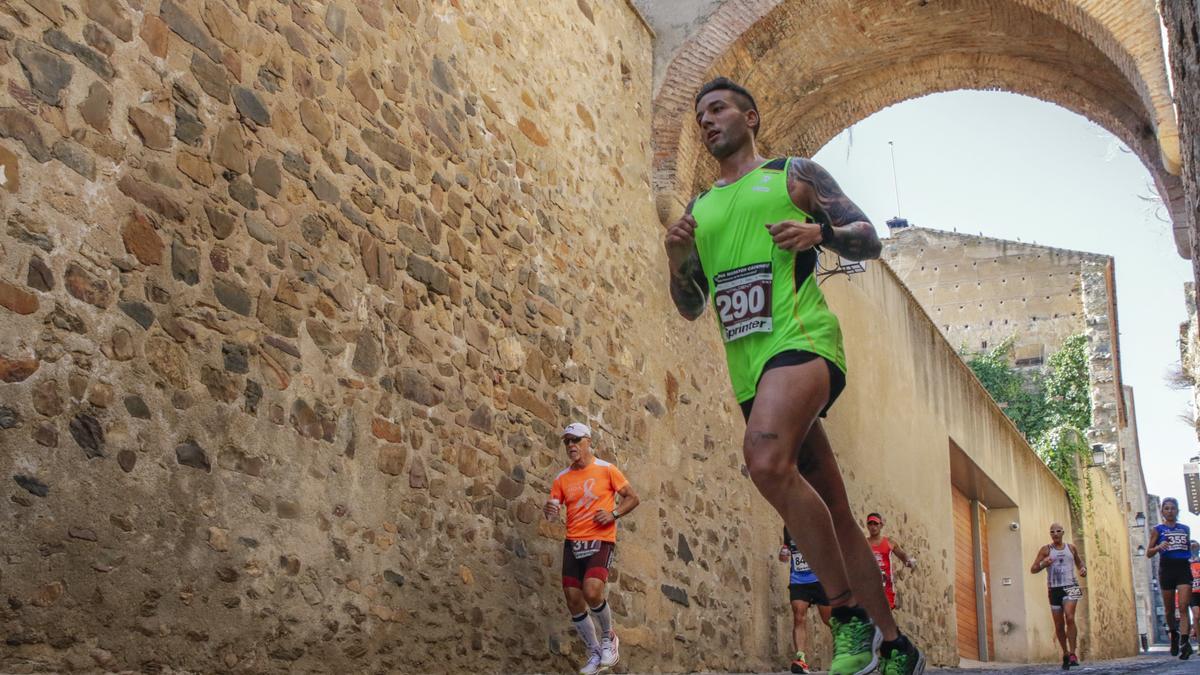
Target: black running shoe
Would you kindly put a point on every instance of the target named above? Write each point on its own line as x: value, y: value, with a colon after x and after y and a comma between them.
x: 1185, y: 650
x: 1174, y: 643
x: 903, y: 660
x: 1074, y: 662
x: 1066, y: 662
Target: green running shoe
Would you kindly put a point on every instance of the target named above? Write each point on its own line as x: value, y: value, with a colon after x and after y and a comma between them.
x: 855, y: 646
x: 907, y: 661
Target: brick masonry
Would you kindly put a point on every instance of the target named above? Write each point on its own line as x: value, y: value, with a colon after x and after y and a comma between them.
x: 821, y: 66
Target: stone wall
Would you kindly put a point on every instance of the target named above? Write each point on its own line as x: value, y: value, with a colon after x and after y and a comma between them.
x: 980, y: 291
x: 1104, y: 369
x: 1189, y: 344
x: 1136, y: 501
x: 295, y: 298
x: 1109, y: 625
x: 892, y: 432
x: 1181, y: 18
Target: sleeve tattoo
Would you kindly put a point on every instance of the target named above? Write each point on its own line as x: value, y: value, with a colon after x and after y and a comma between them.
x: 854, y: 236
x: 689, y: 288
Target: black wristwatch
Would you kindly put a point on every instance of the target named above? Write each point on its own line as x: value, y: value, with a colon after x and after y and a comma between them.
x: 826, y: 233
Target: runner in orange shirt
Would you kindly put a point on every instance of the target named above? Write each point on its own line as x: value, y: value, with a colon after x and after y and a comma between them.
x: 589, y: 488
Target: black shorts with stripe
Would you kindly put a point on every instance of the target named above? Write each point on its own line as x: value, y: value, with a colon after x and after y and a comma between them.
x: 586, y: 560
x: 794, y: 357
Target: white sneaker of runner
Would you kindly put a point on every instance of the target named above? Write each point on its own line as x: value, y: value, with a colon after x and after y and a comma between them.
x: 592, y: 666
x: 608, y: 651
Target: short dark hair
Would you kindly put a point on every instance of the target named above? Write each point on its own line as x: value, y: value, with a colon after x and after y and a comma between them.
x: 745, y: 99
x: 876, y: 515
x: 1168, y: 499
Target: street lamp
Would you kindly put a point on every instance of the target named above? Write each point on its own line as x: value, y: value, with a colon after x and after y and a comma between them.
x: 1139, y: 520
x: 1141, y: 550
x: 1097, y: 455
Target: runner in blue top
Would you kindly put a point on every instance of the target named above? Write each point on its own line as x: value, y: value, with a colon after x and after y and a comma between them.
x: 1170, y: 538
x: 804, y: 590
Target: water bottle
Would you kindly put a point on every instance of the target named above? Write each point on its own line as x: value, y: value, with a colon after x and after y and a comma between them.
x: 556, y: 504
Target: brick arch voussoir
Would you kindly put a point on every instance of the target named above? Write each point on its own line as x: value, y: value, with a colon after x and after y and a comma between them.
x: 675, y: 150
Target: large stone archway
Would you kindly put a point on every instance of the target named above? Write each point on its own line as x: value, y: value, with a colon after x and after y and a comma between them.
x: 818, y: 66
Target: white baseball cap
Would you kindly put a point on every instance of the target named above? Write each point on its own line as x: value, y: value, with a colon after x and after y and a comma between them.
x: 578, y: 430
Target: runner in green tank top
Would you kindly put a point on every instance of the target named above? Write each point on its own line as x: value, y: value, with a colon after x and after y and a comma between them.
x: 750, y: 242
x: 767, y: 297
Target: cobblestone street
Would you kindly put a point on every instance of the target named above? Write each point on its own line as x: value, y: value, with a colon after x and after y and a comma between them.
x: 1156, y: 663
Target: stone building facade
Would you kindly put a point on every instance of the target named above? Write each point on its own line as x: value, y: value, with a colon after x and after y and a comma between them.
x: 1181, y: 19
x: 294, y: 298
x: 1138, y: 508
x: 1189, y: 346
x: 981, y: 291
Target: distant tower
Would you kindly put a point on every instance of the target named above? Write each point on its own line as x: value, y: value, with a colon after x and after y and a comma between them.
x: 1191, y: 482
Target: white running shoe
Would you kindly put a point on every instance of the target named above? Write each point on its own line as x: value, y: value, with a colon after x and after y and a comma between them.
x: 592, y: 666
x: 608, y: 651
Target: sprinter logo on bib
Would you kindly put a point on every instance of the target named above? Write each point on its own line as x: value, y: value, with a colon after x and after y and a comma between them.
x: 743, y: 299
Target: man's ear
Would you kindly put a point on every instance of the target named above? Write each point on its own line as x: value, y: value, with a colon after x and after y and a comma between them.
x: 752, y: 120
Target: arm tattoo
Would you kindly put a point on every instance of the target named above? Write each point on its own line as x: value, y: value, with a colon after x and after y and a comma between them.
x: 689, y: 288
x: 817, y: 193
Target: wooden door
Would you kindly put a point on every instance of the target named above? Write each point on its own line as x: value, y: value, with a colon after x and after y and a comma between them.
x: 964, y: 579
x: 987, y: 582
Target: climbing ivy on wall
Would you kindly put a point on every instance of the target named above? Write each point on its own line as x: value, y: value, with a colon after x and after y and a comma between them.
x: 1052, y: 408
x: 1068, y: 389
x: 1021, y: 395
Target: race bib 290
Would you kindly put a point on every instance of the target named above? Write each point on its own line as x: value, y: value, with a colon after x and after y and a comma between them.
x: 743, y: 299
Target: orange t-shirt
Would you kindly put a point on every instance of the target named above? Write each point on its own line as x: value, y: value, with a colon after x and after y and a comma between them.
x: 586, y: 491
x: 1196, y: 576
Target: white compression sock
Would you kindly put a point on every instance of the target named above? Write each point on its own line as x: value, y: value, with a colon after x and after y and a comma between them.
x: 587, y: 632
x: 603, y: 616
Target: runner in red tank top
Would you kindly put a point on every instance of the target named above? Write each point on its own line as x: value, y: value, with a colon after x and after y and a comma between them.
x: 884, y: 550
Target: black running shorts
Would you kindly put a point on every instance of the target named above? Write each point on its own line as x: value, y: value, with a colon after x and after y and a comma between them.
x: 1174, y: 572
x: 586, y: 559
x: 1061, y: 594
x: 813, y: 594
x: 794, y: 357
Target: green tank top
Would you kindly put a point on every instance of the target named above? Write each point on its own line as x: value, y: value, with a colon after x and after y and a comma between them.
x: 767, y: 300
